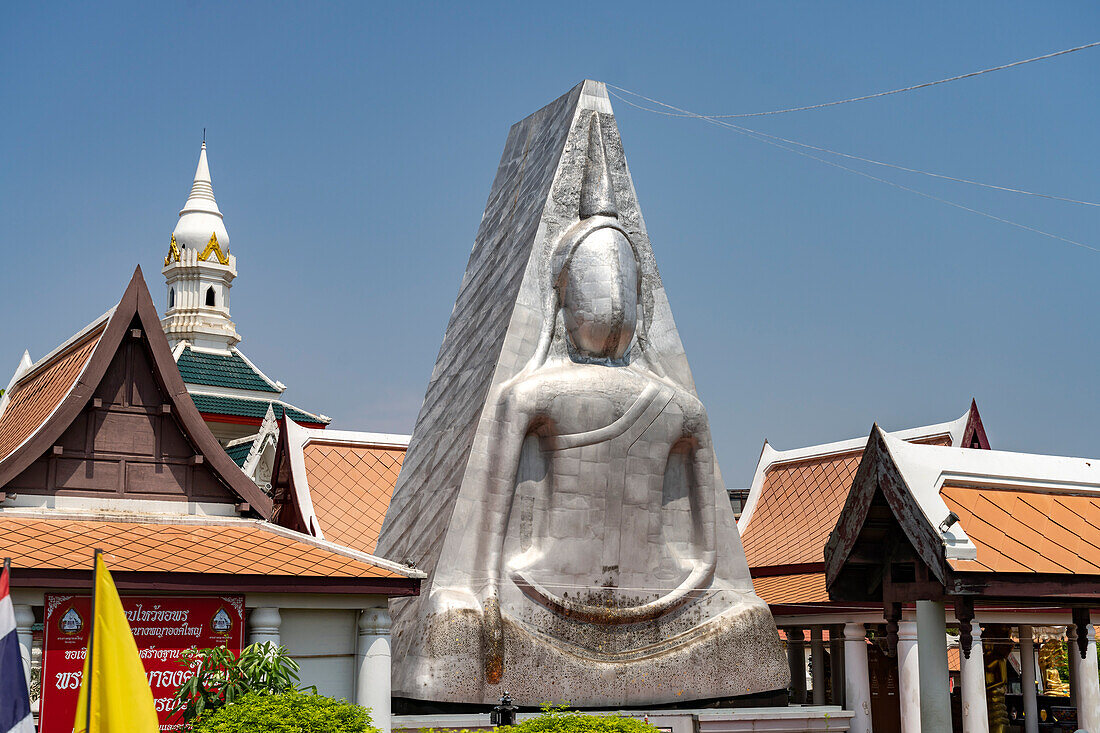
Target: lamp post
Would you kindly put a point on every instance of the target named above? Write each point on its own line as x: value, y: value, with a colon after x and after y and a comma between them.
x: 505, y: 713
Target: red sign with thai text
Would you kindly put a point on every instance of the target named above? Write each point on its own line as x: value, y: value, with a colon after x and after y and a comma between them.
x: 164, y: 627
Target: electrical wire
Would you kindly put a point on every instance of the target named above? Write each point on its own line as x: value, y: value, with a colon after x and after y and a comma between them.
x: 903, y: 89
x: 772, y: 140
x: 850, y: 156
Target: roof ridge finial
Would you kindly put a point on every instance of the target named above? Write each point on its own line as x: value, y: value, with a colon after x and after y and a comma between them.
x: 597, y: 190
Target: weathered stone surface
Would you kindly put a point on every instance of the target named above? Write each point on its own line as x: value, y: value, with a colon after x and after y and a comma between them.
x: 560, y: 487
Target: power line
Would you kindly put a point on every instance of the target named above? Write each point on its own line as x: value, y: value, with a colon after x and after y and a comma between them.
x: 860, y: 158
x: 902, y: 89
x: 764, y: 138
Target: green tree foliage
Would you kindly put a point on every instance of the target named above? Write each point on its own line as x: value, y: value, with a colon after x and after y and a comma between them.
x: 221, y: 679
x: 287, y: 712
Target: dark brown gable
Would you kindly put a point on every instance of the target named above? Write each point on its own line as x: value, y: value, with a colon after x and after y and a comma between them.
x: 974, y: 433
x: 287, y: 512
x: 128, y: 428
x: 882, y: 535
x: 127, y: 442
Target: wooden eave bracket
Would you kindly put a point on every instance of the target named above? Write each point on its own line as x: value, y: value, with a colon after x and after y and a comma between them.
x: 1082, y: 621
x: 964, y: 613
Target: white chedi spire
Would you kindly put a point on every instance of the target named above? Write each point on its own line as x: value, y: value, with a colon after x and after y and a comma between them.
x: 200, y: 217
x: 199, y: 270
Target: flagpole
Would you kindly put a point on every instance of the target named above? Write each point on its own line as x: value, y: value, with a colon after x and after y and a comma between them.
x: 91, y: 648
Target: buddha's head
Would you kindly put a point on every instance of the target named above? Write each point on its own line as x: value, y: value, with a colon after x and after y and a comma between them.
x: 595, y: 274
x: 598, y: 295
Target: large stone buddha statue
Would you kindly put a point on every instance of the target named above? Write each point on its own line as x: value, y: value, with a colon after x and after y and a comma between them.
x: 590, y: 555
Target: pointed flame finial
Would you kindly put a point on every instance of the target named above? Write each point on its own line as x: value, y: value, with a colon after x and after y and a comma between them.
x: 597, y: 192
x: 202, y: 190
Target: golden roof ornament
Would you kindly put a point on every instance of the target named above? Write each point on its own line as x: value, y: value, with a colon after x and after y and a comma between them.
x: 173, y: 252
x: 213, y: 246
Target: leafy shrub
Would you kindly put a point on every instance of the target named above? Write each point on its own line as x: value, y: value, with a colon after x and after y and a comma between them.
x: 287, y: 712
x: 220, y: 678
x: 559, y: 719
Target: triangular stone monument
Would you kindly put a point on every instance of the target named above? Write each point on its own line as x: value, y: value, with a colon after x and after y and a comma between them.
x: 560, y: 488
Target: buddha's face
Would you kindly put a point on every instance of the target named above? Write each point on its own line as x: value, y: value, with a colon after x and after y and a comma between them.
x: 600, y: 296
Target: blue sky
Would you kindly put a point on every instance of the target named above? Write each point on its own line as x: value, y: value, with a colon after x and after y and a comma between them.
x: 352, y: 147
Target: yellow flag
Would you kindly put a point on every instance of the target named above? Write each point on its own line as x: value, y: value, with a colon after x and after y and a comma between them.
x: 121, y: 700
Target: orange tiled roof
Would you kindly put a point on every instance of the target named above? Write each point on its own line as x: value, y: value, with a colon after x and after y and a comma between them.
x: 778, y: 590
x: 800, y: 502
x: 798, y: 508
x: 805, y: 634
x: 1018, y: 530
x: 33, y: 399
x: 232, y: 546
x: 351, y: 487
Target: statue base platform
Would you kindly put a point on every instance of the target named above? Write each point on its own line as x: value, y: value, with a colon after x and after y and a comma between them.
x: 793, y: 719
x: 735, y: 656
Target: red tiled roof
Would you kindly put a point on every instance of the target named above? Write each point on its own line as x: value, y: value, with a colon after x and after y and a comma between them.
x: 798, y: 508
x: 800, y: 502
x: 34, y: 397
x: 238, y: 547
x: 1019, y: 530
x: 779, y: 590
x: 805, y: 635
x: 351, y: 486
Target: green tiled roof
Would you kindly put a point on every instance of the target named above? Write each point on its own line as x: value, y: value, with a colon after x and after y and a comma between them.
x: 243, y: 407
x: 239, y: 453
x: 221, y: 370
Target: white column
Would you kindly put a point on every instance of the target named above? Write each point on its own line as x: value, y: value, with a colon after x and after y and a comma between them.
x: 935, y: 699
x: 24, y: 620
x: 857, y: 681
x: 817, y: 662
x: 1027, y: 680
x: 1088, y: 690
x: 372, y: 688
x: 908, y: 677
x: 975, y: 713
x: 263, y: 625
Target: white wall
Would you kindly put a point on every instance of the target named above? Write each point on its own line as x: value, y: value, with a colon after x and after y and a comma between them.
x: 323, y: 642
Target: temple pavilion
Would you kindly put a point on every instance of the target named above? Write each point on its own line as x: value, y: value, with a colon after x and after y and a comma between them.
x: 1009, y: 542
x: 154, y: 439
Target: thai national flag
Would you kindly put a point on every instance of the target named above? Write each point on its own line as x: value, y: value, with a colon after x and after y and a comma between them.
x: 15, y: 703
